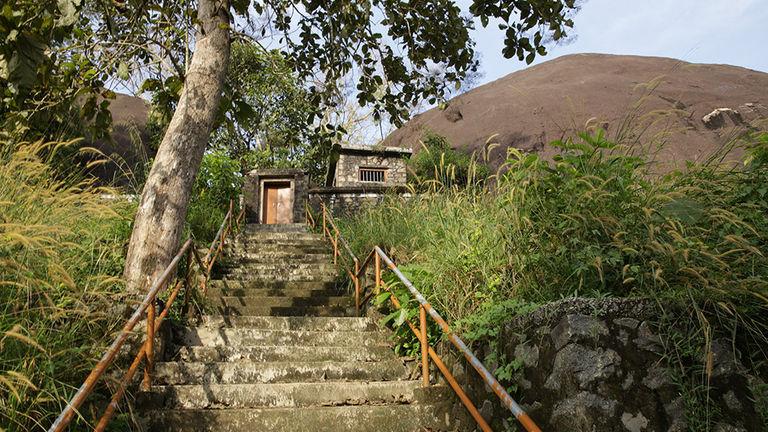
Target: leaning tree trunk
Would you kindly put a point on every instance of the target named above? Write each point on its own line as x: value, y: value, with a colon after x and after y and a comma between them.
x: 160, y: 217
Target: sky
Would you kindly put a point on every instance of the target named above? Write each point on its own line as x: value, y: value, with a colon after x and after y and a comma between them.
x: 731, y: 32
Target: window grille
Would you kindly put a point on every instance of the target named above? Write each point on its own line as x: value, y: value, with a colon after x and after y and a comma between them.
x: 372, y: 175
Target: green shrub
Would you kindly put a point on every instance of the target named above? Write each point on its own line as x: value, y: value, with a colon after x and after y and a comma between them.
x: 61, y: 254
x: 218, y: 182
x: 439, y: 166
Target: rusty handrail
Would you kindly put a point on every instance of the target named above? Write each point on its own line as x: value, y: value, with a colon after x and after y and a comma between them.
x: 147, y: 306
x: 329, y: 218
x: 427, y: 352
x: 486, y: 375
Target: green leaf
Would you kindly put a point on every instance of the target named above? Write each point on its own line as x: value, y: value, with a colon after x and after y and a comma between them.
x: 382, y: 297
x: 401, y: 317
x: 69, y: 12
x: 122, y: 71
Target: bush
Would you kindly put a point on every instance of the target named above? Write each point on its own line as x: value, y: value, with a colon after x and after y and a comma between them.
x: 61, y: 254
x: 218, y: 181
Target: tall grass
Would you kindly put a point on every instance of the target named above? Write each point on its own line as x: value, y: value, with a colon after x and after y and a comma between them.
x: 61, y: 252
x: 593, y: 222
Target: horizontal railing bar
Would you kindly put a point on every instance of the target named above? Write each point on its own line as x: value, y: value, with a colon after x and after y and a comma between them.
x: 90, y: 382
x: 487, y: 376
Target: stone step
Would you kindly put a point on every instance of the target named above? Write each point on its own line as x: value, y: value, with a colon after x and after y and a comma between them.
x: 276, y: 275
x: 272, y: 268
x: 274, y: 258
x: 281, y: 301
x: 230, y: 284
x: 267, y: 278
x: 333, y: 393
x: 212, y: 354
x: 310, y: 311
x: 245, y: 372
x: 258, y: 228
x: 279, y: 238
x: 226, y: 336
x: 260, y: 248
x: 362, y: 324
x: 287, y: 292
x: 380, y: 418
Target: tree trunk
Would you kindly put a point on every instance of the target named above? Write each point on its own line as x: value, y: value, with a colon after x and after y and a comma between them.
x: 160, y: 217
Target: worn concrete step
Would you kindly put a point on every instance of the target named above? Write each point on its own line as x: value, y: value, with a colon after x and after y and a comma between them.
x: 258, y: 228
x: 246, y: 257
x: 362, y: 324
x: 276, y: 275
x: 280, y: 269
x: 244, y: 372
x: 289, y: 292
x: 379, y: 418
x: 281, y: 301
x: 263, y: 278
x: 332, y: 393
x: 228, y: 336
x: 277, y: 234
x: 313, y: 311
x: 279, y: 238
x: 229, y: 284
x: 282, y: 353
x: 269, y: 248
x: 277, y: 257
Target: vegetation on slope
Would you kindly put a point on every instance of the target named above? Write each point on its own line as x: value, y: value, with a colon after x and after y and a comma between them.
x: 61, y: 253
x: 592, y: 223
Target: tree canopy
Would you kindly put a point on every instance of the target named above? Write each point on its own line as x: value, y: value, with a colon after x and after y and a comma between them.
x: 59, y: 58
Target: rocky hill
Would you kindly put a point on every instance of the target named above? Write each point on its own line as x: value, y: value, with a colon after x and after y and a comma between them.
x: 690, y: 108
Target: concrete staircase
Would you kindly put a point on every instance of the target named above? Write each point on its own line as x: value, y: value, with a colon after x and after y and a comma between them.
x: 284, y: 352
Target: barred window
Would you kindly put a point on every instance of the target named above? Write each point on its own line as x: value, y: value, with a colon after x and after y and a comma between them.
x: 373, y: 175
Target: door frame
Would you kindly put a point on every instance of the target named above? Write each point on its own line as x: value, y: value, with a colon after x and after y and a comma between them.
x: 262, y: 183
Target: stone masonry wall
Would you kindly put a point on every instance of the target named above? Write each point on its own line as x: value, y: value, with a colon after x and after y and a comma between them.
x: 252, y: 196
x: 596, y: 365
x: 349, y: 164
x: 347, y: 201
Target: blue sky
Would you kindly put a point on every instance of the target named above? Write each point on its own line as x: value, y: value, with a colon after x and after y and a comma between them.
x: 701, y: 31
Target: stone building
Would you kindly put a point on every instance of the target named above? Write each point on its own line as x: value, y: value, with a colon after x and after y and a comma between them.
x: 361, y: 175
x: 357, y: 176
x: 275, y: 196
x: 360, y: 166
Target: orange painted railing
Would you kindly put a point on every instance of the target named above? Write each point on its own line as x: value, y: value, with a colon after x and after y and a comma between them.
x: 331, y: 231
x: 148, y: 309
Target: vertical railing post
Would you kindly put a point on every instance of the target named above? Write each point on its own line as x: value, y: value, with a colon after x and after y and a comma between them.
x: 357, y: 287
x: 323, y: 230
x: 146, y: 384
x: 188, y: 281
x: 424, y: 346
x: 377, y: 259
x: 335, y: 246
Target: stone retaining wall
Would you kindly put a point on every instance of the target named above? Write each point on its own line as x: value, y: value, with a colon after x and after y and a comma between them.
x: 596, y: 365
x: 347, y: 201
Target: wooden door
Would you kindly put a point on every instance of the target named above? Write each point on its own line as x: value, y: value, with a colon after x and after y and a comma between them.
x: 277, y: 203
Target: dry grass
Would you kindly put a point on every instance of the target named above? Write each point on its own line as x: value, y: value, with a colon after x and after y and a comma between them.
x: 61, y: 252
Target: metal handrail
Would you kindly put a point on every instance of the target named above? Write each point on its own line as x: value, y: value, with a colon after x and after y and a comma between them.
x: 148, y: 308
x: 427, y: 352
